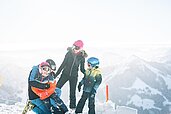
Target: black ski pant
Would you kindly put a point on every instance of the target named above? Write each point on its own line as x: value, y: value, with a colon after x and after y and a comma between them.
x: 60, y: 107
x: 81, y: 103
x: 59, y: 103
x: 72, y: 84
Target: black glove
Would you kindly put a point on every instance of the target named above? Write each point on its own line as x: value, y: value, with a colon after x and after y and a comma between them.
x: 57, y: 73
x: 92, y: 93
x: 79, y: 86
x: 47, y: 85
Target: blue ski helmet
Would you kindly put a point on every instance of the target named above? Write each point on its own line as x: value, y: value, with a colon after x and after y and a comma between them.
x: 93, y: 61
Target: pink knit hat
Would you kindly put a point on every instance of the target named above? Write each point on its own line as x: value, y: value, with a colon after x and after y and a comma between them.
x: 79, y: 43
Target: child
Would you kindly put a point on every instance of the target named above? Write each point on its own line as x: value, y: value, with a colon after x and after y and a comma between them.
x: 44, y: 77
x: 91, y: 81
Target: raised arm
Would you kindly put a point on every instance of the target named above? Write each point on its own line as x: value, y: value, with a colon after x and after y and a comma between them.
x: 62, y: 65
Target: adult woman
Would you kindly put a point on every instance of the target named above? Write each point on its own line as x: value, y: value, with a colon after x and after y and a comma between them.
x: 74, y: 58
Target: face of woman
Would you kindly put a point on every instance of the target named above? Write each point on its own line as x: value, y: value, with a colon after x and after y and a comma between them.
x: 76, y: 49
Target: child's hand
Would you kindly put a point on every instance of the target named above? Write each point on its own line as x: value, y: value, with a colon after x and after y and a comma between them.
x: 92, y: 95
x: 93, y: 91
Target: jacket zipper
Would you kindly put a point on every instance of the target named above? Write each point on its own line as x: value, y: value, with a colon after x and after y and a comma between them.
x: 72, y: 65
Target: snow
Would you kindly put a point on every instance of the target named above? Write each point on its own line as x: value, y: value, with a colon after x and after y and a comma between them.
x: 15, y: 67
x: 168, y: 80
x: 143, y: 87
x: 125, y: 110
x: 11, y: 109
x: 145, y: 103
x: 101, y: 108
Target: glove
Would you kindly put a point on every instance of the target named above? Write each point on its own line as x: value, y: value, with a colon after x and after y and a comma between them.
x: 57, y: 73
x: 79, y: 86
x: 47, y: 86
x: 93, y: 92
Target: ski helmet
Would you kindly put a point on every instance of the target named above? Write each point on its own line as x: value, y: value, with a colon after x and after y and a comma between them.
x: 52, y: 64
x: 79, y: 43
x: 93, y: 61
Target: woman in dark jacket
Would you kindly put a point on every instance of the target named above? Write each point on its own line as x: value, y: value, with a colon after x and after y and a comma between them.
x: 74, y: 58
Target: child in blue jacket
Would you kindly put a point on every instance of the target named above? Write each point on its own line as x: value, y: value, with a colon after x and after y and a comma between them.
x: 38, y: 76
x: 91, y: 81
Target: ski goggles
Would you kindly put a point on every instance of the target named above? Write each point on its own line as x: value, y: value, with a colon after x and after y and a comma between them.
x: 88, y: 64
x: 53, y: 67
x: 76, y: 47
x: 46, y: 69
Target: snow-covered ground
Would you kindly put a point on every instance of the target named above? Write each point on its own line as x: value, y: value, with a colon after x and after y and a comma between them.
x: 101, y: 108
x: 115, y: 64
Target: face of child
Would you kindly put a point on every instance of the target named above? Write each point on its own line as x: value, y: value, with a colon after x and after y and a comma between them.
x: 45, y: 71
x: 89, y: 65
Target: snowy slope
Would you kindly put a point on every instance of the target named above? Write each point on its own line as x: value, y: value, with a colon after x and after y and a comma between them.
x: 142, y: 86
x: 141, y: 83
x: 13, y: 81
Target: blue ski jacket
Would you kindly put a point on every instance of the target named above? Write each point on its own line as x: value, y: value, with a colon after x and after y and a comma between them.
x: 91, y: 80
x: 35, y: 80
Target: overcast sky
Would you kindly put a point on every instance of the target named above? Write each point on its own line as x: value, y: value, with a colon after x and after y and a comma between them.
x: 96, y: 22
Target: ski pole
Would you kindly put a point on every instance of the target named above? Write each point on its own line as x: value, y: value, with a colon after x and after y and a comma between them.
x: 107, y: 93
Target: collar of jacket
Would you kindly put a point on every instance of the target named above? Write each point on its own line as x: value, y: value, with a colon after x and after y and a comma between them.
x: 93, y: 72
x: 82, y: 52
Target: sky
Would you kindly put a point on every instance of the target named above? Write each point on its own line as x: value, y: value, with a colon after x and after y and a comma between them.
x: 101, y: 23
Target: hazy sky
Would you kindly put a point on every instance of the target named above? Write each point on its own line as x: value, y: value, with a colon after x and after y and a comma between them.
x: 96, y: 22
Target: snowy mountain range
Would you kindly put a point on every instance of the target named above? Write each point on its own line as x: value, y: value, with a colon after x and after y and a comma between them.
x: 137, y: 79
x: 142, y: 84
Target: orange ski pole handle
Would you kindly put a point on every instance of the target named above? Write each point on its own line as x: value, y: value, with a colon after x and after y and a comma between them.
x: 107, y: 93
